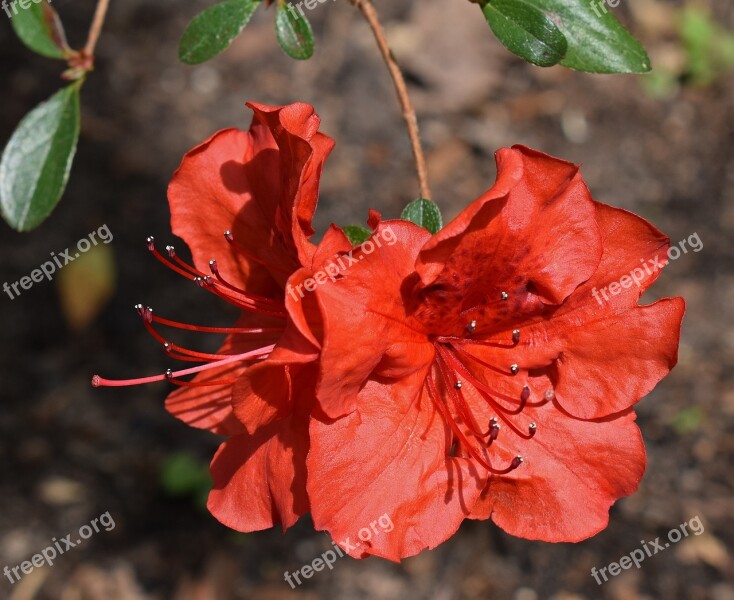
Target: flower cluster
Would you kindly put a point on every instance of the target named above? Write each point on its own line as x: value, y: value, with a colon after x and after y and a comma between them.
x: 466, y: 374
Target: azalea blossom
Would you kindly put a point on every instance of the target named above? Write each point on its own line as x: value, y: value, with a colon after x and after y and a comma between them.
x: 472, y: 374
x: 243, y: 201
x: 468, y: 374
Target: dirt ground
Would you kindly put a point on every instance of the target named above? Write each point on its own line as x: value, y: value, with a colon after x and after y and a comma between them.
x: 70, y: 453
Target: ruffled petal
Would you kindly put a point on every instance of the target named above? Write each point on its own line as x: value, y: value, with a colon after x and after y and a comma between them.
x: 533, y: 236
x: 367, y: 326
x: 606, y: 352
x: 261, y: 185
x: 610, y: 364
x: 210, y: 406
x: 268, y: 390
x: 388, y: 462
x: 573, y: 471
x: 260, y: 480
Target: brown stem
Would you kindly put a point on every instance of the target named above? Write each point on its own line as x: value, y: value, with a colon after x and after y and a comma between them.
x: 96, y: 28
x: 370, y: 14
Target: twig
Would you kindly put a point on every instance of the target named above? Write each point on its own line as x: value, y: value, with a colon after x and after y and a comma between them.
x: 96, y: 28
x: 372, y: 18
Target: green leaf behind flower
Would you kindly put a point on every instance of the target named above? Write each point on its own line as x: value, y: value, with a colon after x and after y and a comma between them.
x: 424, y: 213
x: 357, y: 234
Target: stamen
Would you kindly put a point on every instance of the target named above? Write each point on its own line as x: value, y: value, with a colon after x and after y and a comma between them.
x: 172, y: 254
x: 525, y: 394
x: 204, y: 329
x: 151, y: 246
x: 460, y: 368
x: 457, y: 347
x: 147, y: 315
x: 485, y: 392
x: 254, y: 297
x: 98, y: 381
x: 433, y: 393
x: 142, y: 311
x: 458, y: 398
x: 471, y: 329
x: 182, y: 383
x: 494, y: 430
x: 240, y: 302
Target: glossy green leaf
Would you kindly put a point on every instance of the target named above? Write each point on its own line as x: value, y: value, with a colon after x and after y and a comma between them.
x: 294, y: 32
x: 424, y: 213
x: 597, y: 41
x: 212, y: 31
x: 526, y: 31
x: 39, y: 28
x: 35, y: 164
x: 356, y: 234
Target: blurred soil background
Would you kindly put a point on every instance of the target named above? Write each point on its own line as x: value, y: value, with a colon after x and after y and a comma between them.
x: 659, y: 145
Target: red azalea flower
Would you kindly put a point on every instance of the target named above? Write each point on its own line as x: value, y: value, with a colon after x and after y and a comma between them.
x: 243, y: 202
x: 473, y: 373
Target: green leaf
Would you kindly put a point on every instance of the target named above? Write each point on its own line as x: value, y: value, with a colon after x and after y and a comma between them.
x: 36, y: 162
x: 356, y: 234
x: 294, y: 32
x: 39, y: 28
x: 424, y: 213
x: 597, y: 41
x: 526, y: 31
x: 185, y: 475
x: 212, y: 31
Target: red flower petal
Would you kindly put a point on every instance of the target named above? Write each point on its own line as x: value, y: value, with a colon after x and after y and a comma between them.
x: 533, y: 235
x: 608, y: 365
x: 262, y: 186
x: 573, y: 472
x: 267, y: 390
x: 611, y: 353
x: 389, y: 457
x: 260, y: 480
x: 210, y: 407
x: 302, y: 305
x: 631, y: 245
x: 365, y: 318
